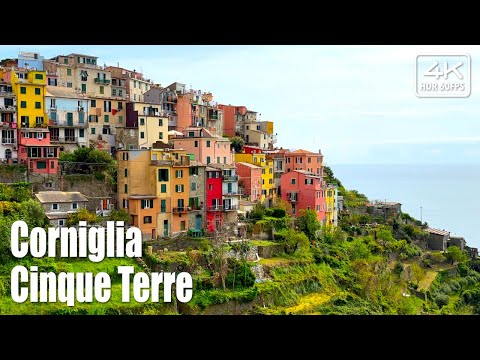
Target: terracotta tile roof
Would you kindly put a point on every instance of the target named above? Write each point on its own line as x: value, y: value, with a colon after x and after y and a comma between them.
x: 305, y: 152
x: 438, y: 231
x: 249, y: 165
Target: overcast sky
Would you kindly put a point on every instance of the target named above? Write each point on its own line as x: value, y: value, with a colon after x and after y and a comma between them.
x: 355, y: 103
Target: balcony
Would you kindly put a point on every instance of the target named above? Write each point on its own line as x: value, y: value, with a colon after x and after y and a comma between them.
x: 161, y: 162
x: 185, y: 161
x: 7, y: 108
x: 9, y: 141
x: 67, y: 139
x: 292, y: 197
x: 66, y: 123
x: 230, y: 193
x: 101, y: 81
x: 232, y: 207
x: 181, y: 210
x: 8, y: 125
x: 215, y: 208
x: 230, y: 177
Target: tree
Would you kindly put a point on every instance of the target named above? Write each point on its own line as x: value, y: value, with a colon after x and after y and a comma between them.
x: 330, y: 178
x: 418, y: 272
x: 295, y: 240
x: 83, y: 215
x: 237, y: 143
x: 308, y: 223
x: 282, y: 204
x: 120, y: 215
x: 258, y: 211
x: 454, y: 254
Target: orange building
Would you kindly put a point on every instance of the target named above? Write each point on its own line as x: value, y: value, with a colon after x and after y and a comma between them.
x: 143, y: 209
x: 180, y: 193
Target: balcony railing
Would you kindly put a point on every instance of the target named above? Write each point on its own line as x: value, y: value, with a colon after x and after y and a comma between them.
x: 232, y: 207
x: 185, y: 161
x: 8, y: 141
x: 215, y: 208
x: 7, y: 108
x: 181, y: 210
x: 292, y: 197
x: 65, y: 123
x: 67, y: 139
x: 8, y: 125
x: 102, y: 81
x: 230, y: 193
x: 162, y: 162
x: 213, y: 117
x: 230, y: 177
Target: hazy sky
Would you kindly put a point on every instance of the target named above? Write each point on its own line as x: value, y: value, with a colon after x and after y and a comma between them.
x: 355, y: 103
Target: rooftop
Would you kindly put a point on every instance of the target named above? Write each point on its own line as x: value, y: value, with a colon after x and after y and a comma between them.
x: 223, y: 166
x: 438, y: 231
x: 64, y: 92
x: 74, y: 54
x: 60, y: 197
x: 308, y: 173
x: 303, y: 152
x: 249, y: 165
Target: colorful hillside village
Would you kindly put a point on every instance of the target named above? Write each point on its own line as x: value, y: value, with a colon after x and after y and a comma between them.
x: 177, y: 168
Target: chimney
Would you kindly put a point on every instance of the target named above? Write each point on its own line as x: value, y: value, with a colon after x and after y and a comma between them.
x: 319, y: 151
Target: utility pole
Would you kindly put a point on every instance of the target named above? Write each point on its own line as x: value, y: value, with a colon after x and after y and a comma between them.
x: 421, y: 216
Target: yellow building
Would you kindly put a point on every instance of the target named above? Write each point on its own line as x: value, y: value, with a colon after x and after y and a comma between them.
x: 151, y: 126
x: 268, y: 187
x: 331, y: 205
x: 155, y: 179
x: 30, y: 94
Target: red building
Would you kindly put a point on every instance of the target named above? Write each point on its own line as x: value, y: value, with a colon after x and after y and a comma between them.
x: 36, y: 151
x: 304, y: 160
x: 230, y: 114
x: 250, y: 149
x: 250, y: 177
x: 214, y: 199
x: 304, y: 190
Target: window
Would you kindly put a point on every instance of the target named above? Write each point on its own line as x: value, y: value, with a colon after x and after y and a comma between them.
x: 41, y: 165
x: 114, y: 92
x: 178, y: 174
x: 65, y: 60
x: 270, y: 181
x: 263, y: 171
x: 196, y: 143
x: 81, y: 133
x: 125, y: 172
x: 54, y: 206
x: 125, y: 203
x: 38, y: 105
x: 309, y: 160
x: 294, y: 208
x: 69, y: 85
x: 102, y: 90
x: 120, y: 119
x: 179, y: 188
x: 105, y: 118
x: 193, y: 186
x: 142, y: 121
x: 160, y: 135
x: 147, y: 204
x: 293, y: 181
x: 74, y: 206
x: 208, y: 143
x: 329, y: 193
x: 218, y: 159
x: 120, y: 92
x: 92, y: 131
x: 163, y: 206
x: 134, y: 83
x: 270, y: 170
x: 37, y: 91
x: 142, y: 135
x: 162, y: 174
x: 194, y: 170
x: 93, y: 103
x: 224, y: 159
x: 263, y: 181
x: 160, y: 122
x: 125, y: 156
x: 182, y: 225
x: 69, y: 72
x: 23, y: 104
x: 83, y: 76
x: 61, y: 222
x: 147, y: 219
x: 163, y: 188
x: 52, y: 164
x: 309, y: 181
x: 120, y: 106
x: 125, y: 188
x: 210, y: 186
x: 208, y: 159
x: 39, y: 76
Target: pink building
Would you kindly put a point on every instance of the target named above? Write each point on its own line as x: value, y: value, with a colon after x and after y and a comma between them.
x: 303, y: 190
x: 304, y: 160
x: 250, y: 177
x: 36, y: 151
x: 205, y: 147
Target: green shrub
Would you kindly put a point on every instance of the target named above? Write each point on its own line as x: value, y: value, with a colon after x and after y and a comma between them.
x: 279, y: 213
x: 268, y: 212
x: 441, y: 299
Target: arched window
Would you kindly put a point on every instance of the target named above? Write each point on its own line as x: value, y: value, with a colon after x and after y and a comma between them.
x: 8, y: 154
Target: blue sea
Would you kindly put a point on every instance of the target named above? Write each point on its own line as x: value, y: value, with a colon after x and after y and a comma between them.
x: 445, y: 196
